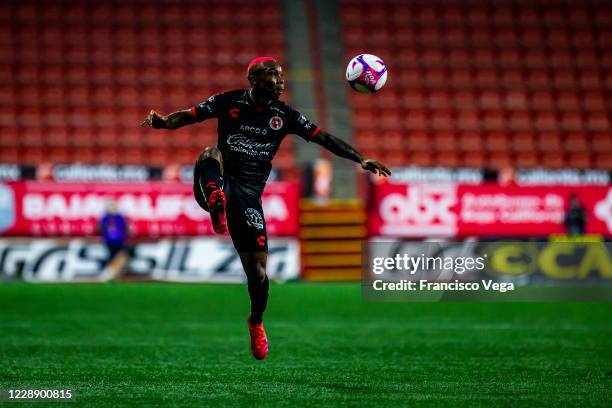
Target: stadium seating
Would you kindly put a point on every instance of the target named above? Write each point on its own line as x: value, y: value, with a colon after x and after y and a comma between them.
x: 78, y: 77
x: 470, y: 83
x: 486, y: 83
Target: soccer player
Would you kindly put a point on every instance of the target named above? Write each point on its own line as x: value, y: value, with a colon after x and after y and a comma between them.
x: 229, y: 178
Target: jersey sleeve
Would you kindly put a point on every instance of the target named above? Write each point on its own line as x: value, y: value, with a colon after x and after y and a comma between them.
x: 302, y: 126
x: 208, y: 109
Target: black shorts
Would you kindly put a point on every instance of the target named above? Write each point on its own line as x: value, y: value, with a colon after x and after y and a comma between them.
x: 245, y: 217
x: 114, y: 248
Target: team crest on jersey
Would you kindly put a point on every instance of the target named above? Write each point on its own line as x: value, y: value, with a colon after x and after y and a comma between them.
x: 276, y: 122
x: 254, y: 218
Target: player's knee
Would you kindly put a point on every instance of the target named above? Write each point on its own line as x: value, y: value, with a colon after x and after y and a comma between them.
x: 210, y: 152
x: 259, y: 270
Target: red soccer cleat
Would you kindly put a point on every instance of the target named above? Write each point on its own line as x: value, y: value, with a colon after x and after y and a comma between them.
x: 216, y: 205
x: 259, y: 341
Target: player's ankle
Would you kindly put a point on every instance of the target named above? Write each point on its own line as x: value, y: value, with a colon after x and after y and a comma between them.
x: 255, y: 320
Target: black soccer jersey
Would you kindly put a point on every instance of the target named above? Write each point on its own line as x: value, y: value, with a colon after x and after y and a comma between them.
x: 250, y: 134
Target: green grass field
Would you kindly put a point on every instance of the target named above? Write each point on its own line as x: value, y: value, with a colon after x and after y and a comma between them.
x: 187, y: 345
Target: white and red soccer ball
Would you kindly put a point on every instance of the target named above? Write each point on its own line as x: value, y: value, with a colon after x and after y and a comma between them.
x: 366, y: 73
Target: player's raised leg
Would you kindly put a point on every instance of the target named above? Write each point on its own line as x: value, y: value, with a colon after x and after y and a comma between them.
x: 208, y: 184
x: 254, y: 264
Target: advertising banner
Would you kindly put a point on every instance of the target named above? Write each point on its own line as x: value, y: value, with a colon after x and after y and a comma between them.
x: 486, y: 210
x: 208, y: 259
x: 152, y: 208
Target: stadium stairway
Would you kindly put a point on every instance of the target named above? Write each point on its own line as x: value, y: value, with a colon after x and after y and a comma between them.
x: 331, y: 236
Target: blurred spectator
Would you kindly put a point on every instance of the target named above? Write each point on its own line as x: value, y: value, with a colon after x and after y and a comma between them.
x: 506, y: 176
x: 114, y: 230
x: 575, y: 218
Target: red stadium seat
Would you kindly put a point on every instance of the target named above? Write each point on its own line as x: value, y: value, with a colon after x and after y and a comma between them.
x: 457, y: 57
x: 594, y: 101
x: 444, y: 141
x: 57, y: 155
x: 390, y: 120
x: 576, y: 142
x: 603, y: 161
x: 497, y: 141
x: 438, y: 100
x: 490, y: 100
x: 494, y: 121
x: 532, y: 37
x: 83, y: 137
x: 418, y: 141
x: 9, y: 136
x: 474, y: 159
x: 520, y: 121
x: 523, y: 142
x: 416, y: 121
x: 526, y: 160
x: 499, y: 160
x: 83, y: 155
x: 411, y: 101
x: 535, y: 59
x: 549, y: 142
x: 442, y: 121
x: 461, y: 79
x: 31, y: 136
x: 553, y: 160
x: 448, y: 159
x: 571, y: 122
x: 542, y: 100
x: 464, y: 101
x: 510, y: 58
x: 512, y: 79
x: 396, y: 159
x: 568, y: 101
x: 9, y: 155
x: 8, y: 117
x: 468, y: 121
x: 33, y: 155
x: 392, y: 140
x: 546, y: 122
x: 470, y: 141
x: 538, y: 80
x: 579, y: 160
x: 601, y: 142
x: 564, y: 80
x: 422, y: 158
x: 487, y: 79
x: 507, y: 38
x: 598, y: 122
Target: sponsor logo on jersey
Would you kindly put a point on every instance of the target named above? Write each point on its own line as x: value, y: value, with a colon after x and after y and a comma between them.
x: 254, y: 218
x: 234, y: 112
x: 240, y: 143
x: 253, y: 129
x: 276, y: 122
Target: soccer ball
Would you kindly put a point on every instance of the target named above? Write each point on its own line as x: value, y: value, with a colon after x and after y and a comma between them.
x: 366, y: 73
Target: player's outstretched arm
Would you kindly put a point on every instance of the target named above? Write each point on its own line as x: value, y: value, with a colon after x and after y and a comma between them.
x: 172, y: 121
x: 340, y: 148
